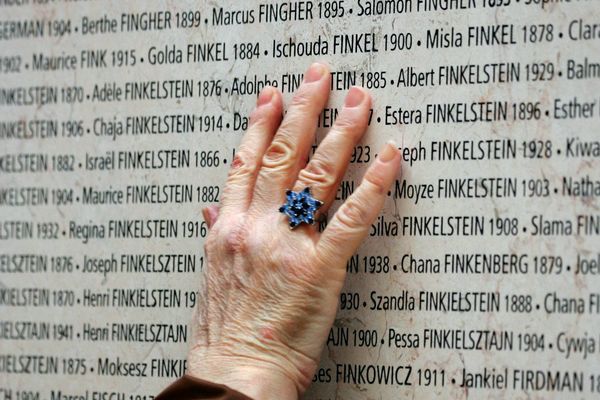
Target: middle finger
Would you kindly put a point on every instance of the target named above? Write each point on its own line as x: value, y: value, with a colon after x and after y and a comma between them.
x: 288, y: 152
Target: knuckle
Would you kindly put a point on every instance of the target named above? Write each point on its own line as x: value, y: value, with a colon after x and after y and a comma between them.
x: 349, y: 130
x: 319, y: 172
x: 375, y: 183
x: 347, y: 123
x: 235, y: 242
x: 353, y: 214
x: 241, y: 166
x: 263, y: 118
x: 278, y: 155
x: 302, y: 101
x: 233, y: 238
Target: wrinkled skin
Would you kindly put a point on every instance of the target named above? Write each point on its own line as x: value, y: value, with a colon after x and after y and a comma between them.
x: 270, y: 294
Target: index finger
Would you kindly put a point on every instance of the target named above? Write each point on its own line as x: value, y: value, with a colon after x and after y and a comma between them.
x: 352, y: 221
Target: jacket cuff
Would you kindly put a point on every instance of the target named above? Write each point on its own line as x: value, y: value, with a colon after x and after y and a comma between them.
x: 191, y: 388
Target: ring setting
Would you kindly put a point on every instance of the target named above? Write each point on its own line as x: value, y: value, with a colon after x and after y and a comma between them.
x: 300, y: 207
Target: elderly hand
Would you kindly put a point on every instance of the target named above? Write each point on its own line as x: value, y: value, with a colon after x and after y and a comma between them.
x: 270, y: 294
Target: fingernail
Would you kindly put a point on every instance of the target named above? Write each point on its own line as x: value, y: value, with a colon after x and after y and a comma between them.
x: 389, y: 151
x: 265, y: 96
x: 315, y: 73
x: 354, y: 97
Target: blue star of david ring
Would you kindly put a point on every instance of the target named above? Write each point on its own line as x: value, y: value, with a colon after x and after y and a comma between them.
x: 300, y: 207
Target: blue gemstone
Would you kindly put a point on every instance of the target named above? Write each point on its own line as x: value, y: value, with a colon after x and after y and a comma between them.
x: 300, y: 207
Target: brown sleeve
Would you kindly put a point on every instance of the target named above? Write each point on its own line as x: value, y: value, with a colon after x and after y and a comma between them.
x: 190, y: 388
